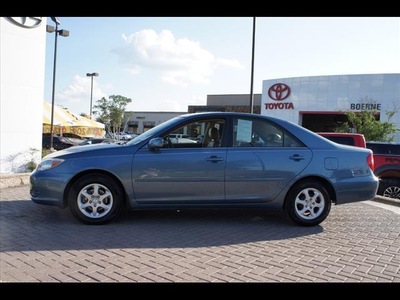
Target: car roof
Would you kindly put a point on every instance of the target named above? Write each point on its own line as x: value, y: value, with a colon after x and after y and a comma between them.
x: 231, y: 113
x: 340, y: 133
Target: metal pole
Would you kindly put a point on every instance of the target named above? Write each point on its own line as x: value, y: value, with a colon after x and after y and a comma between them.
x: 91, y: 96
x: 252, y: 65
x: 91, y: 91
x: 54, y: 83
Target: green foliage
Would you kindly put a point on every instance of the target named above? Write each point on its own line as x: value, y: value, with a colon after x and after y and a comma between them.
x: 364, y: 122
x: 31, y: 165
x: 45, y: 152
x: 111, y: 112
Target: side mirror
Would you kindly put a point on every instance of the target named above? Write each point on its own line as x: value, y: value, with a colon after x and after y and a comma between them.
x: 155, y: 143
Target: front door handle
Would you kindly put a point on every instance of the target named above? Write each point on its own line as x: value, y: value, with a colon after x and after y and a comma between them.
x: 214, y: 158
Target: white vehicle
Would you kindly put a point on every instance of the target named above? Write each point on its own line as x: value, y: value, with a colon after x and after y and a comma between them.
x: 123, y: 136
x: 181, y: 138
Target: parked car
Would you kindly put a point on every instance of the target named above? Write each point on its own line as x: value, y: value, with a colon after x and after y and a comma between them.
x: 93, y: 141
x: 132, y: 135
x: 386, y: 160
x: 298, y: 171
x: 346, y: 138
x: 59, y: 143
x: 181, y: 138
x: 123, y: 136
x: 73, y: 137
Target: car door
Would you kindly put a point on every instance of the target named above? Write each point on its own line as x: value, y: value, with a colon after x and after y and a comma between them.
x: 186, y: 173
x: 263, y: 160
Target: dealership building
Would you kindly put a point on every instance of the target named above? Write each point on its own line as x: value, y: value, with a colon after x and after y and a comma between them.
x: 318, y: 103
x: 22, y: 69
x: 315, y: 102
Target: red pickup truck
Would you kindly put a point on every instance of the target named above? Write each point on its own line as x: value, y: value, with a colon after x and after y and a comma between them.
x: 386, y: 158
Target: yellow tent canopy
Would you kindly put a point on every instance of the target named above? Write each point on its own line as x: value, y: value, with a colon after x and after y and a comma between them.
x: 65, y: 121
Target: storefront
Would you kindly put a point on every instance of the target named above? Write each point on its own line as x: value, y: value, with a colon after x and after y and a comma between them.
x: 320, y: 102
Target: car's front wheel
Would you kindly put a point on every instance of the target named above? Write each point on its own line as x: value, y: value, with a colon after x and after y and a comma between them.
x: 308, y: 203
x: 95, y: 199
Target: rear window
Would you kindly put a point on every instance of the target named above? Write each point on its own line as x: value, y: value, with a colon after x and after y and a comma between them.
x: 385, y: 149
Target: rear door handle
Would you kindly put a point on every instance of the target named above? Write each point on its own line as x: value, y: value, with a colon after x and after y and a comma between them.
x: 296, y: 157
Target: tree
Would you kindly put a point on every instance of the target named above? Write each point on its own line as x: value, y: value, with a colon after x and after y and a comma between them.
x: 365, y: 122
x: 111, y: 112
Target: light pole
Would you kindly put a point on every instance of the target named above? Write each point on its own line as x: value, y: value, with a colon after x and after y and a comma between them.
x: 252, y: 65
x: 57, y: 32
x: 91, y: 90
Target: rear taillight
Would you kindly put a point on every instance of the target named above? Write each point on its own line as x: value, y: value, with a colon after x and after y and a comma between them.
x: 371, y: 162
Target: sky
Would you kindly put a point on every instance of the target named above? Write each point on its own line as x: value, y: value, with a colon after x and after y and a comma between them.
x: 169, y: 63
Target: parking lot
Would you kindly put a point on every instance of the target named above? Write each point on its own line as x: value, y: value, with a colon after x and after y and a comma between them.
x: 358, y: 242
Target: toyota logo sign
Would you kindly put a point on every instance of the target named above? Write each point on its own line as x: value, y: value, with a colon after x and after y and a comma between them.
x: 26, y: 22
x: 279, y: 91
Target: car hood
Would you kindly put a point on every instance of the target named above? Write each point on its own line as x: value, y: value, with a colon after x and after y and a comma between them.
x: 80, y: 149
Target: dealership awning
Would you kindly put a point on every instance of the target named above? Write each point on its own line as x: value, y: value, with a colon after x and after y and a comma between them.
x: 65, y: 121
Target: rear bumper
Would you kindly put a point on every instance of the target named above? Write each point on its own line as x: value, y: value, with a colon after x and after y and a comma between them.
x: 348, y: 192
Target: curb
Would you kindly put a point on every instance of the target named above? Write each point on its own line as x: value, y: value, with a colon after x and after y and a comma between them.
x: 386, y: 200
x: 14, y: 180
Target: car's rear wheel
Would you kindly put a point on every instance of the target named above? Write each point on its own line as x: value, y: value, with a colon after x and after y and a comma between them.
x: 308, y: 203
x: 95, y: 199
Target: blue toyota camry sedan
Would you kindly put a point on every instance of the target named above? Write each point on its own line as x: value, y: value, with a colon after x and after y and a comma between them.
x: 241, y: 160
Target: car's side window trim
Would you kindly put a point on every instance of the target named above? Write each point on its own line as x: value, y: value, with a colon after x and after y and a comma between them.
x: 245, y: 134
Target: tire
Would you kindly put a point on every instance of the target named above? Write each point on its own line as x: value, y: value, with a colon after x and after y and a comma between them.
x: 308, y: 203
x: 95, y: 199
x: 389, y: 187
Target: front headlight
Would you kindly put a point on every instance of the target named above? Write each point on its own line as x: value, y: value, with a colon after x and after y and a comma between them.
x: 49, y: 163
